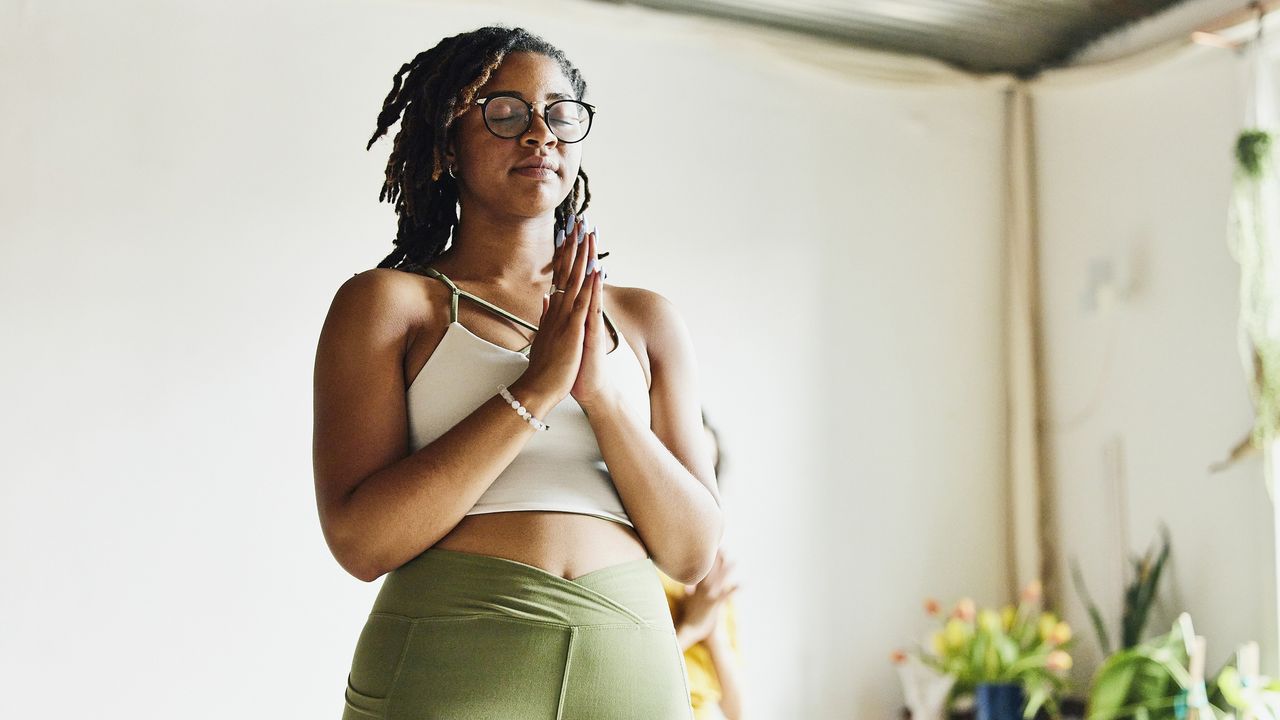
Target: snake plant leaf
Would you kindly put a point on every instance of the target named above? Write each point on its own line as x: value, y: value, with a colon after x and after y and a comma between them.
x: 1095, y: 615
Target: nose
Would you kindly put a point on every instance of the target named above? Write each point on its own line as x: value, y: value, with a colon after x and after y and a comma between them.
x: 539, y: 133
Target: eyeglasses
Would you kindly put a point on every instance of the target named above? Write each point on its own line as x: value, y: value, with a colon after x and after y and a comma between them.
x: 508, y: 116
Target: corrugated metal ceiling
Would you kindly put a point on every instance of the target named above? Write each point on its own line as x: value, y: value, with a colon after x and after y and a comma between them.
x: 1018, y: 36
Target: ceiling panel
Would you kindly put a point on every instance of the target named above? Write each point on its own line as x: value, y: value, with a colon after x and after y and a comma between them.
x: 1017, y: 36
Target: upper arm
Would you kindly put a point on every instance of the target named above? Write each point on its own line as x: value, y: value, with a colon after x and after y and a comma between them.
x: 359, y: 394
x: 675, y: 406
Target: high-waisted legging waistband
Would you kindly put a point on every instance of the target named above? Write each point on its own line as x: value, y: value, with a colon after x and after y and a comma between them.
x: 450, y: 583
x: 456, y: 635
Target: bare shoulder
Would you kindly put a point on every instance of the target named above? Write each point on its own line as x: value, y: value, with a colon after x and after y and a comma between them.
x: 379, y: 294
x: 654, y: 318
x: 638, y: 300
x: 386, y: 302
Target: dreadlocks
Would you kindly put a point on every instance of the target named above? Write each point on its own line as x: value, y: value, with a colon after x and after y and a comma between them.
x: 439, y: 85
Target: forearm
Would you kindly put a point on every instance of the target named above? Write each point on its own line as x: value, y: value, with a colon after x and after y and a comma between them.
x: 726, y: 666
x: 675, y: 513
x: 403, y: 509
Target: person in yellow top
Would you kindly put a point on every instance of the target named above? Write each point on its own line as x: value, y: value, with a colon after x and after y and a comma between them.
x: 706, y: 628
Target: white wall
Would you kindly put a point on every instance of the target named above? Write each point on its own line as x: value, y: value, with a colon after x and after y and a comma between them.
x: 1136, y: 167
x: 184, y: 188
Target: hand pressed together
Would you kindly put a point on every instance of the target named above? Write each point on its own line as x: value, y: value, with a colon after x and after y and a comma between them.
x: 567, y: 353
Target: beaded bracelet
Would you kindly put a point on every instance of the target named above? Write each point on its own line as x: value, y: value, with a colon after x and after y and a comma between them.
x: 522, y: 410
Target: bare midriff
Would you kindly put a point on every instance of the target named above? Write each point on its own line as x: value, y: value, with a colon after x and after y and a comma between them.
x: 567, y: 544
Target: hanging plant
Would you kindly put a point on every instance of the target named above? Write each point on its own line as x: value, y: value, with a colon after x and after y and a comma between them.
x: 1253, y: 248
x: 1255, y: 215
x: 1253, y: 147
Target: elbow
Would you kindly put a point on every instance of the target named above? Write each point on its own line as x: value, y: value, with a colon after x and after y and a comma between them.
x: 694, y: 569
x: 353, y: 554
x: 691, y: 569
x: 688, y: 578
x: 355, y: 562
x: 361, y: 562
x: 365, y: 572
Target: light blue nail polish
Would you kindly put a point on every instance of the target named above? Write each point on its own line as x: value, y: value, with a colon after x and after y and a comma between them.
x: 586, y: 224
x: 560, y: 237
x: 572, y: 219
x: 580, y: 237
x: 591, y: 264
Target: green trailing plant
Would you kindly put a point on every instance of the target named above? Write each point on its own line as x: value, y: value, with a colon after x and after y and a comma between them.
x: 1149, y: 681
x: 1252, y: 241
x: 1253, y: 147
x: 1139, y: 595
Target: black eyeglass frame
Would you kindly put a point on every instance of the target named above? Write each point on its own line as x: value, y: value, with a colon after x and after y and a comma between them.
x: 591, y: 116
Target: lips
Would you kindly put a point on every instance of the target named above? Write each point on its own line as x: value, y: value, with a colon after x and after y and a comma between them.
x: 537, y: 162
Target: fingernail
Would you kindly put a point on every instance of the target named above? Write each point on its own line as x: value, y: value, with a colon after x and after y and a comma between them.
x: 585, y: 223
x: 560, y: 237
x: 570, y: 221
x: 580, y: 237
x: 591, y: 264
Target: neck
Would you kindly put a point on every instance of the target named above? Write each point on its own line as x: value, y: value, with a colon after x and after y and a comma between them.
x: 503, y: 250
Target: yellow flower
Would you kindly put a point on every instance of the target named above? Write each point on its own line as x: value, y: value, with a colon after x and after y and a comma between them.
x: 1058, y: 661
x: 1048, y: 622
x: 939, y: 644
x: 1061, y: 634
x: 989, y: 620
x: 956, y: 633
x: 1007, y: 617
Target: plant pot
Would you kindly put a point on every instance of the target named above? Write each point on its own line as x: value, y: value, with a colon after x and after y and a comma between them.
x: 999, y: 701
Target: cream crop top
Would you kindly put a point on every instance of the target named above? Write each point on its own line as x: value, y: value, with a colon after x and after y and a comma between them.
x: 560, y: 469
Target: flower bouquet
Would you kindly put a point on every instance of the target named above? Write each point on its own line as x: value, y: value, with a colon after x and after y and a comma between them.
x: 1020, y: 646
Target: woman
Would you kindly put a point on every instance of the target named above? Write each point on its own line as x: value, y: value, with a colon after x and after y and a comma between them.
x: 518, y: 493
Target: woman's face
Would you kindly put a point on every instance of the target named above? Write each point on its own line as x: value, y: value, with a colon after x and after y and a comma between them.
x: 486, y: 164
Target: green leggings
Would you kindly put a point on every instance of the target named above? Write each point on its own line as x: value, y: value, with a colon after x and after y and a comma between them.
x: 463, y: 636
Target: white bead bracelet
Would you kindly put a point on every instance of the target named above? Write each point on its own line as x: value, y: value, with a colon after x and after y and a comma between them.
x: 521, y: 409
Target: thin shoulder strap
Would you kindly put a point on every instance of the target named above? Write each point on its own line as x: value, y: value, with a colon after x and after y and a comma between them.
x: 453, y: 297
x: 453, y: 301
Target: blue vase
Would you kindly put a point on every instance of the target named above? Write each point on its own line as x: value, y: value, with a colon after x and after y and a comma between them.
x: 1002, y: 701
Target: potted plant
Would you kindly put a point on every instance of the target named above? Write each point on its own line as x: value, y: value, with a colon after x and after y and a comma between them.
x: 1160, y: 679
x: 1139, y: 596
x: 1008, y: 663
